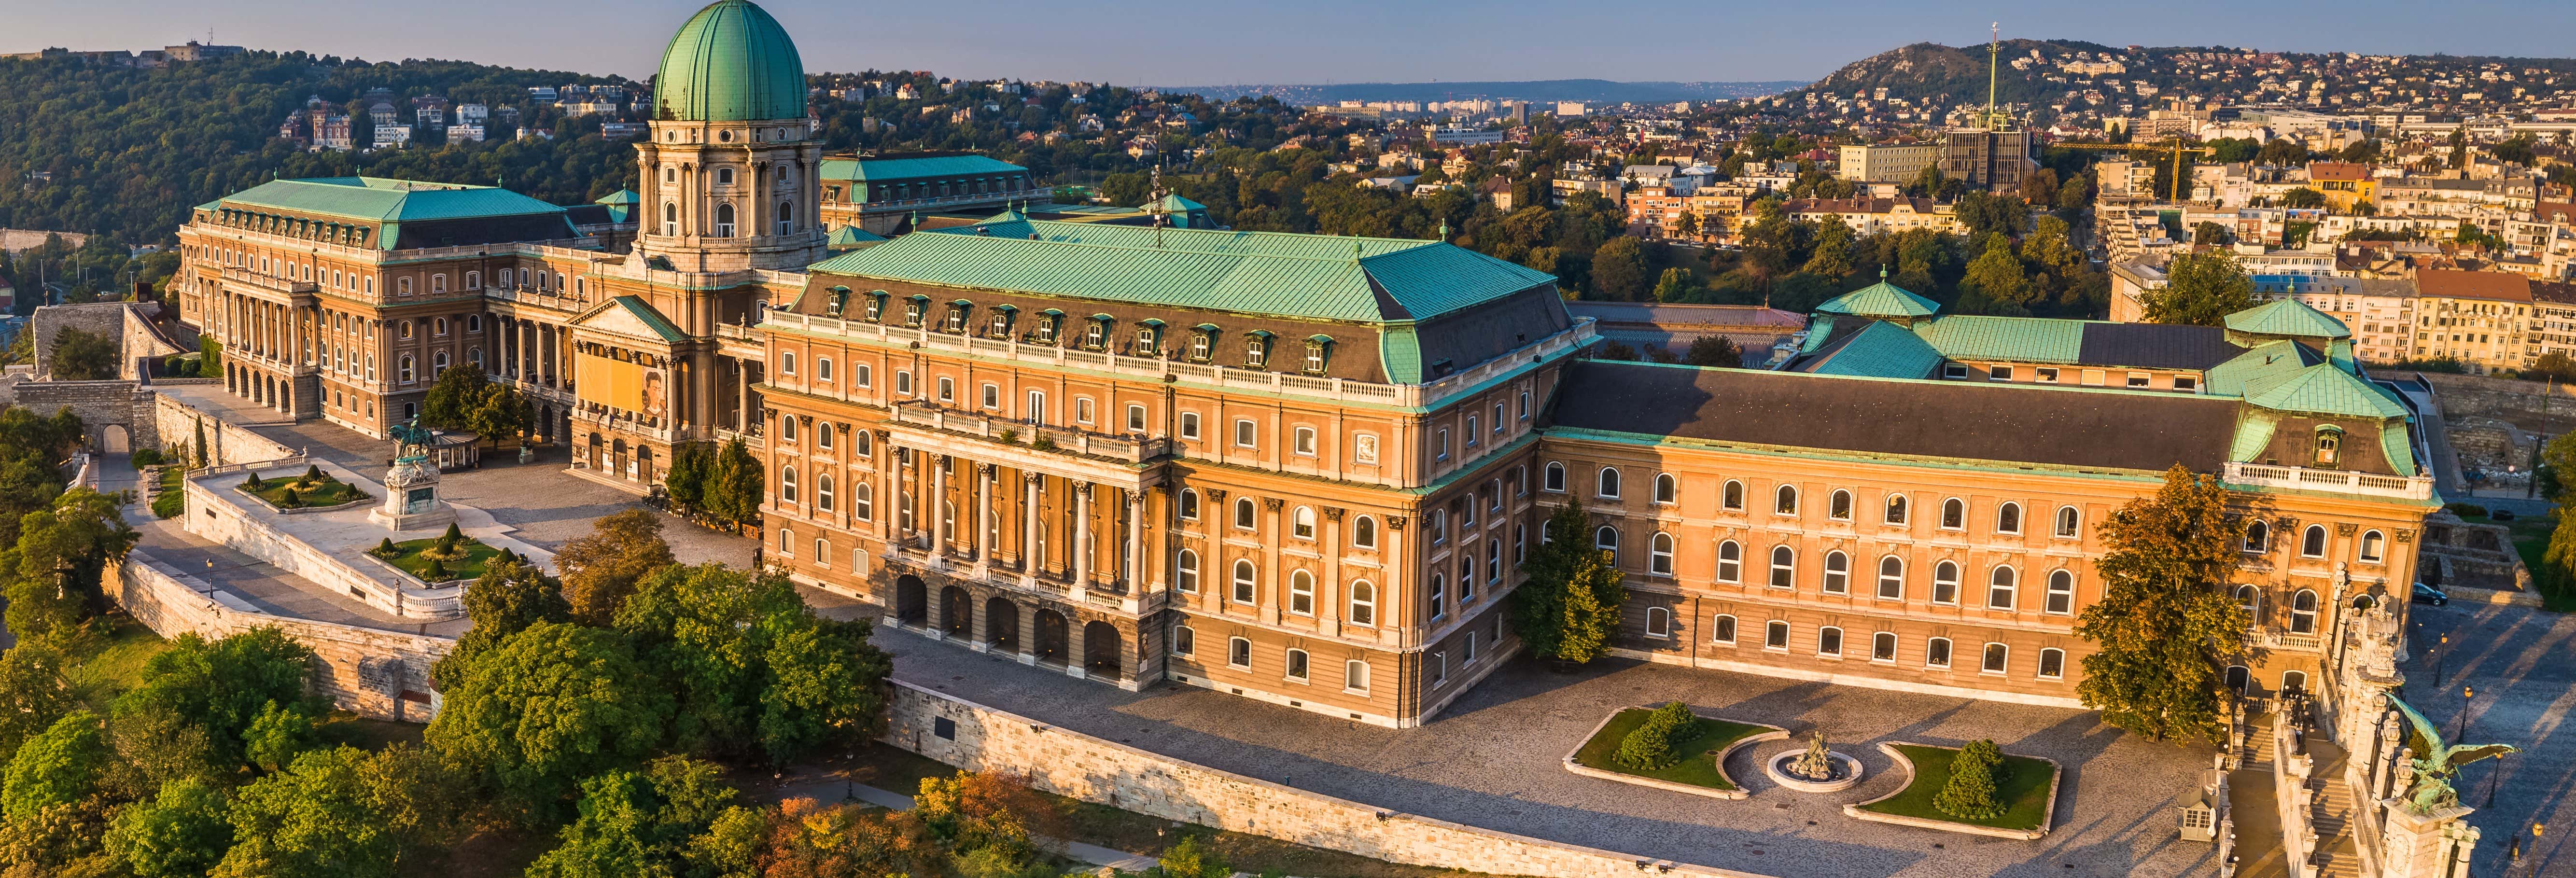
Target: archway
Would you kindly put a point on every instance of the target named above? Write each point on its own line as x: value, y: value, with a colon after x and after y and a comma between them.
x: 1002, y: 625
x: 1051, y: 636
x: 2239, y: 679
x: 1101, y: 649
x: 911, y: 600
x: 956, y: 611
x: 114, y: 440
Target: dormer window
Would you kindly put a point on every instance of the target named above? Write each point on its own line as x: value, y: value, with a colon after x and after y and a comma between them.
x: 1203, y: 343
x: 2329, y: 449
x: 876, y: 306
x: 1149, y: 338
x: 1318, y: 348
x: 1097, y: 336
x: 839, y: 301
x: 913, y: 308
x: 1001, y: 327
x: 1256, y: 350
x: 1052, y: 322
x: 957, y: 313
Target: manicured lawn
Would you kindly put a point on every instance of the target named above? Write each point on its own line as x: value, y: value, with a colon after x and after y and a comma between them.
x: 2025, y: 792
x: 1697, y: 766
x: 111, y: 662
x: 330, y: 492
x: 407, y: 556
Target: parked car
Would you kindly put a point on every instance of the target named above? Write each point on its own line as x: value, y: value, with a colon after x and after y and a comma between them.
x: 2499, y: 515
x: 2425, y: 594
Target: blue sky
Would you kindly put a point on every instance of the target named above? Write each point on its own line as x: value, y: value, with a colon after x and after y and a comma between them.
x: 1223, y: 41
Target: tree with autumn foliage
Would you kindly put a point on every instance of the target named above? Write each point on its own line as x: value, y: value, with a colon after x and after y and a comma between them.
x: 2165, y: 629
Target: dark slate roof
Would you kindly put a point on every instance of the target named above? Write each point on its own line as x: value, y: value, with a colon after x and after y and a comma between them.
x: 2156, y: 346
x: 2007, y: 423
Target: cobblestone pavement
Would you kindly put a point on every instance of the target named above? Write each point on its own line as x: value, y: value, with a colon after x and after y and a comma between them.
x: 2517, y: 661
x: 1492, y: 760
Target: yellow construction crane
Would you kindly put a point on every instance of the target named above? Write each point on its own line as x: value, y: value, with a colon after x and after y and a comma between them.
x: 2176, y: 145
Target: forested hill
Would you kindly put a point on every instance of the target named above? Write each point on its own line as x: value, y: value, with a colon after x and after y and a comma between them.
x: 125, y: 152
x: 1930, y: 74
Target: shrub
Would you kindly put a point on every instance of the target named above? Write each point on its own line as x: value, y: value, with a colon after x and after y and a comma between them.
x: 435, y: 572
x: 313, y: 475
x: 1193, y: 859
x: 144, y: 457
x: 1650, y: 746
x: 253, y: 483
x: 2466, y: 510
x: 1043, y: 442
x: 1974, y: 775
x: 385, y: 548
x: 453, y: 535
x: 170, y: 504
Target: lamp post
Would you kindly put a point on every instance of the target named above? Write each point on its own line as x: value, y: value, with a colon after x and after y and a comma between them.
x: 2441, y: 658
x: 2467, y: 694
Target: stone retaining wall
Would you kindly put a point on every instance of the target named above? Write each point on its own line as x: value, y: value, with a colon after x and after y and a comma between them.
x: 371, y: 672
x: 226, y: 442
x: 972, y: 736
x: 100, y: 405
x: 222, y: 515
x: 2507, y: 399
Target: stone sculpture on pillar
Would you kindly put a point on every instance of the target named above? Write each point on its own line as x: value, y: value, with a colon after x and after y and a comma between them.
x: 411, y: 487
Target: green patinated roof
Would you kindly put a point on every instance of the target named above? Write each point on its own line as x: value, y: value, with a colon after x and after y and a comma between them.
x: 1400, y: 351
x: 870, y: 170
x: 1881, y: 299
x: 853, y: 236
x: 2401, y: 453
x: 1882, y: 350
x: 383, y: 203
x: 1177, y: 204
x: 2322, y: 389
x: 2277, y: 358
x: 1970, y: 337
x: 1367, y: 280
x: 621, y: 196
x: 652, y: 319
x: 2253, y: 435
x: 2287, y: 317
x: 730, y: 63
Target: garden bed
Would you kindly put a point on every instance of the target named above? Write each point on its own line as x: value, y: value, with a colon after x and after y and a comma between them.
x: 2029, y: 794
x: 407, y: 558
x: 1701, y: 770
x: 325, y: 494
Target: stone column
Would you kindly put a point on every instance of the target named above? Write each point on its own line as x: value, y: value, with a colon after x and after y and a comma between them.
x: 1073, y: 626
x: 741, y: 396
x: 1135, y: 541
x: 1028, y: 632
x: 983, y: 513
x: 1080, y: 551
x: 1029, y: 559
x: 1274, y: 588
x: 1328, y: 594
x: 938, y: 505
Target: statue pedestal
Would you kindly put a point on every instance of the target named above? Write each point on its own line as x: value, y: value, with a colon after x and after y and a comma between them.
x: 411, y: 498
x: 2425, y: 845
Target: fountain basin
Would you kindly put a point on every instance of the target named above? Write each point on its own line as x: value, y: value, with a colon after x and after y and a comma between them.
x: 1847, y: 773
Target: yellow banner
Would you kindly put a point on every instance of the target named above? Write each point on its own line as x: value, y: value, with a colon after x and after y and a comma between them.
x: 619, y: 385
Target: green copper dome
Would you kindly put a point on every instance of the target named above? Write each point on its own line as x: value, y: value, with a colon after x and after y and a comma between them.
x: 730, y: 63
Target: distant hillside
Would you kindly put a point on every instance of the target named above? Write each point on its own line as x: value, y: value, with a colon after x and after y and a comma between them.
x: 1596, y: 90
x: 1938, y: 75
x: 1931, y: 71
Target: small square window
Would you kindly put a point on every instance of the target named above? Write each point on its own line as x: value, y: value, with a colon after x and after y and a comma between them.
x: 1189, y: 425
x: 2138, y: 380
x: 1954, y: 371
x: 2186, y: 382
x: 2046, y: 375
x: 2000, y: 373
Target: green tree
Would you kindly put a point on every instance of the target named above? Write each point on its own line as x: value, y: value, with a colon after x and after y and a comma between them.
x: 277, y: 735
x: 180, y: 833
x: 2303, y: 198
x: 34, y: 693
x: 56, y: 767
x: 602, y: 567
x: 1538, y: 606
x: 1994, y: 281
x: 643, y: 823
x: 318, y: 819
x: 2201, y: 289
x: 53, y: 572
x: 1651, y: 744
x: 210, y: 360
x: 1192, y: 858
x: 508, y: 598
x: 1970, y: 792
x: 500, y: 414
x: 750, y: 667
x: 453, y: 399
x: 548, y: 706
x: 1619, y: 270
x: 1832, y: 256
x: 734, y: 485
x: 692, y: 464
x: 1591, y: 614
x: 1714, y: 350
x: 1675, y: 286
x: 2165, y: 628
x: 197, y: 702
x: 83, y: 356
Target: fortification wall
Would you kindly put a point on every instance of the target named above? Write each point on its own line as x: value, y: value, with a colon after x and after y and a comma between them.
x: 123, y: 405
x: 226, y: 442
x: 973, y: 736
x: 371, y: 672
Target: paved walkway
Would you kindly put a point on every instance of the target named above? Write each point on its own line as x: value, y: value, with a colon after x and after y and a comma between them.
x: 2517, y: 660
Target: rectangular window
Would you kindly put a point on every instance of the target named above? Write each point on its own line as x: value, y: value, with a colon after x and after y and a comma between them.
x: 1136, y: 418
x: 1082, y: 410
x: 1243, y: 433
x: 2186, y: 382
x: 1304, y: 444
x: 2000, y: 373
x: 1954, y: 371
x: 2046, y: 375
x: 1189, y: 425
x: 2138, y: 380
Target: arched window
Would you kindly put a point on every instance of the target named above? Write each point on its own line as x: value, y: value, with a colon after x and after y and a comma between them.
x: 786, y: 217
x: 2000, y: 586
x: 1659, y: 622
x: 1364, y: 532
x: 1945, y: 583
x: 1722, y: 630
x: 670, y: 218
x: 1954, y: 514
x: 1784, y: 567
x: 787, y: 484
x: 2061, y: 592
x: 1997, y: 656
x: 405, y: 369
x: 1355, y: 675
x: 1301, y: 593
x: 1607, y: 539
x: 1439, y: 595
x: 787, y: 428
x: 1775, y: 635
x: 1660, y: 555
x: 1839, y: 506
x: 2008, y: 518
x: 1829, y: 641
x: 724, y: 220
x: 2329, y: 446
x: 1730, y: 561
x: 1732, y: 497
x: 1837, y: 573
x: 2373, y: 547
x: 1936, y: 653
x: 1891, y: 578
x: 1785, y: 500
x: 438, y: 364
x: 1189, y: 503
x: 2258, y: 537
x: 2294, y: 681
x: 822, y: 552
x: 1555, y: 479
x: 1608, y: 486
x: 2312, y: 544
x: 2068, y: 522
x: 862, y: 503
x: 1244, y: 575
x: 787, y: 542
x: 2052, y: 664
x: 1668, y: 490
x: 1186, y: 571
x: 1243, y: 516
x: 1882, y: 646
x: 1238, y: 653
x: 823, y: 492
x: 2251, y: 598
x: 1895, y: 509
x: 1303, y: 522
x: 2303, y: 612
x: 1363, y: 603
x: 2240, y: 679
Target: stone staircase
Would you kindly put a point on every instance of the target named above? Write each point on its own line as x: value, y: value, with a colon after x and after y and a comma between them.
x: 2332, y: 813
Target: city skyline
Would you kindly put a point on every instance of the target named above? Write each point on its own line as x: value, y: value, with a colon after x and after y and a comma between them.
x: 1329, y: 43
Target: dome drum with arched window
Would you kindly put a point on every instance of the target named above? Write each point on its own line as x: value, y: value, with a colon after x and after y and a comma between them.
x: 730, y: 167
